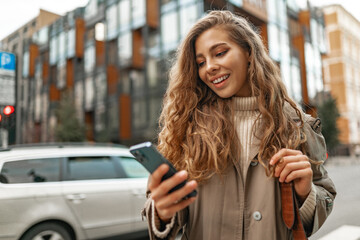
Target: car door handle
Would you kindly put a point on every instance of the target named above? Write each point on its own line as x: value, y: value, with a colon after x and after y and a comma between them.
x: 76, y: 197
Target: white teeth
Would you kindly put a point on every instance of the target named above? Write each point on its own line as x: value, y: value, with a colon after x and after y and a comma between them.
x: 220, y: 79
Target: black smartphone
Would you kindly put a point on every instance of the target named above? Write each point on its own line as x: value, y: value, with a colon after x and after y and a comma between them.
x: 147, y: 154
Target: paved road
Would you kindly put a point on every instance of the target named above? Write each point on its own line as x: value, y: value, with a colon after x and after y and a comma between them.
x: 344, y: 221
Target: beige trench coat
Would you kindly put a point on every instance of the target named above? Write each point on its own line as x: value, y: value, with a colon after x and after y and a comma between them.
x: 231, y: 208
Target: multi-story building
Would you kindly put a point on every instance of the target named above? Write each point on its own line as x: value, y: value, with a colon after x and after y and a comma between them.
x: 113, y: 57
x: 18, y: 44
x: 342, y: 73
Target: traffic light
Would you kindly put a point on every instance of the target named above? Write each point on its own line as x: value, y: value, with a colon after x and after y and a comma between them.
x: 8, y: 110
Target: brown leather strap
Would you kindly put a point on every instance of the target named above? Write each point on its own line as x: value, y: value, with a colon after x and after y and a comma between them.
x: 290, y: 211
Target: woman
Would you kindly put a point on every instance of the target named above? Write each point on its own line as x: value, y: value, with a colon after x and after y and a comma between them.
x: 229, y: 125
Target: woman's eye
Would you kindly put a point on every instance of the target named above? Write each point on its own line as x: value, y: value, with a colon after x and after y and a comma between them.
x: 221, y: 53
x: 200, y: 64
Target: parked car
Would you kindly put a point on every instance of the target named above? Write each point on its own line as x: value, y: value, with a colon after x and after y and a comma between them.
x: 71, y: 192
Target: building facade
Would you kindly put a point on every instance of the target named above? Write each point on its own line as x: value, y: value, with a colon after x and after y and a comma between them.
x: 342, y: 73
x: 113, y: 57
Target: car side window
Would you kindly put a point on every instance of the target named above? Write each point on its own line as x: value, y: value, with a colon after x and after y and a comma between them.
x: 87, y: 168
x: 29, y: 171
x: 132, y: 168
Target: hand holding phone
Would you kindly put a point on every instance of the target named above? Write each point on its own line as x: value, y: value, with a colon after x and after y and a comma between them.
x: 147, y: 154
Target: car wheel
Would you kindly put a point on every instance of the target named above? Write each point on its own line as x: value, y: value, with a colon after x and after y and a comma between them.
x: 47, y: 231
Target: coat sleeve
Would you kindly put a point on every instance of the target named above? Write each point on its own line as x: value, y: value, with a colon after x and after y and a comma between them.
x: 156, y: 231
x: 325, y: 189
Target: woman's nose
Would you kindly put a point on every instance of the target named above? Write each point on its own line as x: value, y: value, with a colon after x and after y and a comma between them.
x: 211, y: 66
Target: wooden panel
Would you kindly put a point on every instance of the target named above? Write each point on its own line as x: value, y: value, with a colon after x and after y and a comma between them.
x: 152, y: 13
x: 54, y: 93
x: 299, y: 43
x: 69, y: 73
x: 138, y: 44
x: 264, y: 35
x: 33, y: 53
x: 100, y: 52
x: 125, y: 116
x: 112, y: 76
x: 79, y: 37
x: 45, y: 72
x: 304, y: 18
x: 89, y: 123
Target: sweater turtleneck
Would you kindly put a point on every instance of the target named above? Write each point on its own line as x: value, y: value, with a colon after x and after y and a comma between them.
x: 246, y: 112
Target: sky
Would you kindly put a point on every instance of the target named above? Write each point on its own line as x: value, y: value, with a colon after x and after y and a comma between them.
x: 15, y: 13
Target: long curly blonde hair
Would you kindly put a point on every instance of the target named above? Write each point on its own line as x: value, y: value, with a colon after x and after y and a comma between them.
x: 197, y: 127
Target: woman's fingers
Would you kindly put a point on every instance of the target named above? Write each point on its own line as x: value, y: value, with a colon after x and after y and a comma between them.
x: 165, y: 186
x: 283, y: 153
x: 155, y: 177
x: 167, y: 213
x: 290, y: 170
x: 176, y: 197
x: 284, y: 161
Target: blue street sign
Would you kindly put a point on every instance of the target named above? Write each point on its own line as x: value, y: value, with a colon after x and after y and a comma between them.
x: 7, y: 61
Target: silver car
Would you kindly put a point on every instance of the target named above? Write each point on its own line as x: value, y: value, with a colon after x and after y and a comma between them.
x: 71, y: 192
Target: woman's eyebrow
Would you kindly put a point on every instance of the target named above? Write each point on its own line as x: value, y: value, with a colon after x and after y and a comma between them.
x: 211, y: 48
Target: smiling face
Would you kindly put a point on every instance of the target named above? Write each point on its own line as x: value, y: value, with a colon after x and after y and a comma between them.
x: 222, y: 64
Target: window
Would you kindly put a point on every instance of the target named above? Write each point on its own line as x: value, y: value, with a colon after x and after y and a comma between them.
x: 70, y: 43
x: 139, y: 109
x: 89, y: 59
x: 111, y: 22
x: 53, y: 50
x: 86, y: 168
x: 188, y: 16
x: 89, y: 94
x: 132, y: 168
x: 26, y: 60
x: 124, y: 15
x: 138, y: 13
x: 28, y: 171
x: 125, y: 49
x: 169, y: 30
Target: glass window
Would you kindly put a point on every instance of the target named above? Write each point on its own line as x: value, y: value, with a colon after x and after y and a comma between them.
x: 26, y: 62
x: 86, y: 168
x: 90, y: 9
x: 53, y: 50
x: 125, y: 49
x: 79, y: 99
x: 62, y: 47
x: 100, y: 86
x: 100, y: 121
x: 89, y: 58
x: 28, y: 171
x: 124, y: 15
x: 274, y: 42
x: 155, y: 107
x: 113, y: 112
x: 188, y: 16
x: 89, y: 93
x: 296, y: 83
x: 169, y: 30
x: 139, y: 112
x: 132, y: 168
x: 237, y: 3
x: 111, y: 22
x: 70, y: 43
x: 138, y: 13
x: 61, y: 75
x: 152, y: 71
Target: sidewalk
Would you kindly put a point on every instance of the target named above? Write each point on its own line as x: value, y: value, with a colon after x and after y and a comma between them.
x: 342, y: 160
